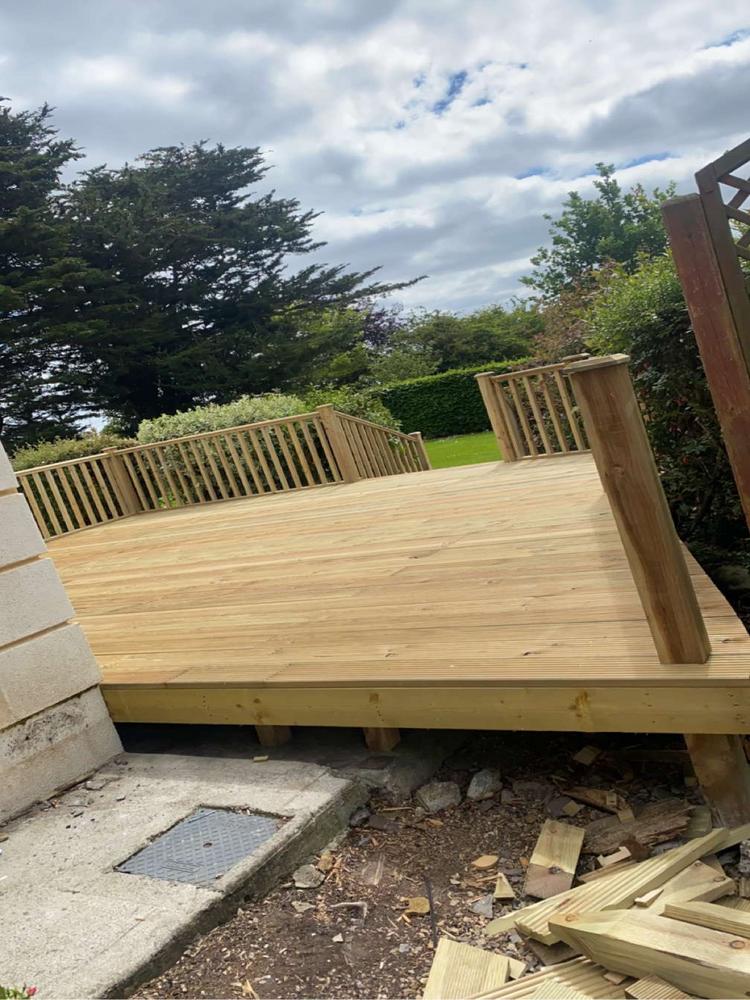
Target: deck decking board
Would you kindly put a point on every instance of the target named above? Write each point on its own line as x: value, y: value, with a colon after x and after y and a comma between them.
x: 502, y: 587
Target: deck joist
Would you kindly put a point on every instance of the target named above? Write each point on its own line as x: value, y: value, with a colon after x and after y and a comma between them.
x: 491, y: 596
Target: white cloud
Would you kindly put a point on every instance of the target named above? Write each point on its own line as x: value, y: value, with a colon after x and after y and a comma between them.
x: 433, y: 135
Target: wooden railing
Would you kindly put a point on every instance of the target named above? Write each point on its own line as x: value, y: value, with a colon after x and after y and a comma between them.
x: 534, y: 412
x: 272, y: 456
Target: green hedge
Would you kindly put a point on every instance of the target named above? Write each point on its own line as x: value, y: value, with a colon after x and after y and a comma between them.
x: 65, y: 449
x: 445, y: 404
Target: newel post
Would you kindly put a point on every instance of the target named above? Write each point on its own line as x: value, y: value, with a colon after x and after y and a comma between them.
x: 119, y: 478
x: 497, y: 411
x: 337, y: 439
x: 424, y: 458
x: 623, y: 456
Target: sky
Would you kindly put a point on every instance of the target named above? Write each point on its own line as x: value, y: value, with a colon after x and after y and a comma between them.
x: 433, y: 135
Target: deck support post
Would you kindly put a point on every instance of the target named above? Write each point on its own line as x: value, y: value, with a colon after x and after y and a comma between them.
x: 273, y: 736
x: 626, y: 465
x: 381, y: 740
x: 424, y: 458
x: 120, y: 480
x: 722, y: 342
x: 723, y: 773
x: 628, y: 472
x: 497, y: 408
x: 337, y: 439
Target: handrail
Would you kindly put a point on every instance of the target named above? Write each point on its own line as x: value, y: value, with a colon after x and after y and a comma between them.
x: 533, y: 412
x: 284, y: 454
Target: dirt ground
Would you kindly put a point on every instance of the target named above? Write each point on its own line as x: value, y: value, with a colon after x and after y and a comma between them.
x: 351, y: 936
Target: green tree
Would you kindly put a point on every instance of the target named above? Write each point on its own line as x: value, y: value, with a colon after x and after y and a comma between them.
x: 490, y: 334
x: 204, y: 305
x: 613, y: 226
x: 44, y: 378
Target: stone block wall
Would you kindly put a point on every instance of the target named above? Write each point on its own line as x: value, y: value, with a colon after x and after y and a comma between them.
x: 54, y: 725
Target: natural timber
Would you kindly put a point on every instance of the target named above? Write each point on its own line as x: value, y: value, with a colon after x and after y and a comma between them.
x: 722, y: 334
x: 723, y: 772
x: 381, y: 739
x: 337, y: 439
x: 718, y: 918
x: 709, y: 963
x: 273, y: 736
x: 552, y: 866
x: 461, y: 970
x: 623, y: 456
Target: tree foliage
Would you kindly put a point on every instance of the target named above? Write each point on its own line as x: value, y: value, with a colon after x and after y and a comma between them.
x: 45, y: 383
x: 202, y: 303
x: 613, y: 226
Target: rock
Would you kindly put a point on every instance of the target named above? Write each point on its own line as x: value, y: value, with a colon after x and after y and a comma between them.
x: 744, y: 863
x: 338, y: 938
x: 404, y: 949
x: 95, y: 784
x: 359, y: 817
x: 301, y: 907
x: 76, y: 812
x: 383, y: 823
x: 484, y: 784
x: 483, y: 906
x: 507, y: 797
x: 539, y: 790
x: 308, y: 877
x: 438, y: 795
x: 557, y: 805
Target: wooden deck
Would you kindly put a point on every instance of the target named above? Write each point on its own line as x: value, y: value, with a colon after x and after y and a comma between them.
x: 490, y: 596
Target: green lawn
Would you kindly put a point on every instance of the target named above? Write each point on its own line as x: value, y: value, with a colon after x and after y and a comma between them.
x: 464, y: 450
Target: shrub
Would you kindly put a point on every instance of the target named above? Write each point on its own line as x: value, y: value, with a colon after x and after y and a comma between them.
x: 214, y: 417
x: 250, y: 409
x: 363, y: 403
x: 445, y: 404
x: 63, y: 449
x: 644, y: 315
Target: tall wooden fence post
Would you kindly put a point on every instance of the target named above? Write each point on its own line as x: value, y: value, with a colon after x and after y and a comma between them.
x: 716, y: 331
x: 623, y: 456
x: 496, y: 411
x: 339, y: 443
x: 628, y: 472
x: 424, y: 458
x: 119, y: 477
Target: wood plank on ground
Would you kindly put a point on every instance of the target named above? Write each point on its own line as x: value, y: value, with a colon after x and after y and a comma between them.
x: 616, y: 891
x: 579, y: 974
x: 654, y: 824
x: 718, y: 918
x: 694, y: 958
x: 552, y: 866
x: 653, y: 988
x: 460, y: 970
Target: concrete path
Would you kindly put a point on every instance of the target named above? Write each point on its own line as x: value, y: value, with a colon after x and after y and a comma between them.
x: 74, y: 927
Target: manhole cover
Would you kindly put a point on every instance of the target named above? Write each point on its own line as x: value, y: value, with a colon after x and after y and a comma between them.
x: 202, y: 846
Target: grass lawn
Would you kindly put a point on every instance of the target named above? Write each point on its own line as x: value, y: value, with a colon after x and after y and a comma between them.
x: 464, y: 450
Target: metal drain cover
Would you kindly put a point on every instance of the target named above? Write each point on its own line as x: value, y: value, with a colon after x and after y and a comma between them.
x: 202, y: 846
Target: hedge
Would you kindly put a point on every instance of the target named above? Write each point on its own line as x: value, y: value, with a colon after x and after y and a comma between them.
x: 445, y: 404
x: 65, y: 449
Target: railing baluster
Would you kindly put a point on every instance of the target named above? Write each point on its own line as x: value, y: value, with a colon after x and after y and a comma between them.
x: 554, y: 415
x: 259, y: 451
x: 265, y: 433
x: 131, y: 467
x: 27, y: 486
x: 238, y: 466
x: 160, y: 454
x: 250, y: 460
x: 522, y: 419
x: 562, y: 386
x: 306, y: 468
x: 110, y: 507
x: 93, y: 491
x: 323, y: 438
x: 83, y: 493
x: 534, y: 403
x: 291, y: 465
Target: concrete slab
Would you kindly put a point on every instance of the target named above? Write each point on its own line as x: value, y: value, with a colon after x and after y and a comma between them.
x: 397, y: 773
x: 74, y: 927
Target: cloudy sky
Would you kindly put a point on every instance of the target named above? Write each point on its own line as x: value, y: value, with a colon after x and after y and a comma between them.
x: 432, y: 134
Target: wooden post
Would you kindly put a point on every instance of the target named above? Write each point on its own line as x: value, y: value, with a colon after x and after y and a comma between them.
x: 498, y: 417
x: 622, y: 453
x: 424, y: 458
x: 716, y: 330
x: 273, y: 736
x: 724, y: 775
x: 337, y: 439
x: 381, y: 739
x: 119, y: 478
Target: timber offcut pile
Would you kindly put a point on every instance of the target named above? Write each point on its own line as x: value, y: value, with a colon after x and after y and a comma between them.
x: 670, y: 925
